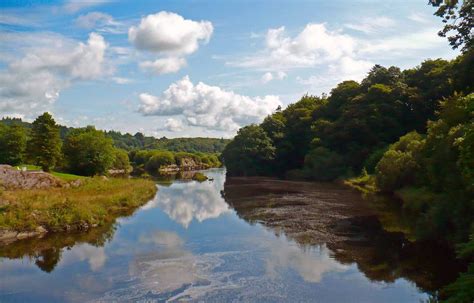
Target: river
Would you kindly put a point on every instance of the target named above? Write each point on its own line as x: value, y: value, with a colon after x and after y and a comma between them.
x: 206, y: 242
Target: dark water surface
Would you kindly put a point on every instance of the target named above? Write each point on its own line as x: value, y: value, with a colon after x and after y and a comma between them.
x: 188, y: 244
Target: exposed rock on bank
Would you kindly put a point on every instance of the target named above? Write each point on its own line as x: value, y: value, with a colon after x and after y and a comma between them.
x: 12, y: 178
x: 185, y: 164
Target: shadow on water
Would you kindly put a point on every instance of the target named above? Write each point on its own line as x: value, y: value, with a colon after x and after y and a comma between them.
x: 357, y: 230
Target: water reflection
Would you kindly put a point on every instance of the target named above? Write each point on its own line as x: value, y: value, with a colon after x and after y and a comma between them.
x: 46, y: 252
x: 382, y: 252
x: 293, y: 254
x: 185, y: 201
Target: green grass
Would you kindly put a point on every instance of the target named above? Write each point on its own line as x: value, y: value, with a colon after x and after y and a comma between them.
x: 96, y: 201
x: 67, y: 177
x: 63, y: 176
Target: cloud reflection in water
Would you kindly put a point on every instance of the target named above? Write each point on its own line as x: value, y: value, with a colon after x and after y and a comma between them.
x: 185, y: 201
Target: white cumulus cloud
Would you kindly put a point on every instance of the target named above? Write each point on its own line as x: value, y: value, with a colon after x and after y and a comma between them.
x: 171, y: 37
x: 268, y: 76
x: 32, y: 82
x: 208, y: 106
x: 163, y: 65
x: 173, y: 125
x: 170, y: 33
x: 315, y: 44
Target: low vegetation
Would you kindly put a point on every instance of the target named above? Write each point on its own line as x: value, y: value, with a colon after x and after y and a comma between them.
x: 154, y: 161
x: 96, y: 201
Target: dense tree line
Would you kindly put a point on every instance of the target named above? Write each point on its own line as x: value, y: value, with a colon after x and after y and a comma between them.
x: 88, y: 151
x: 151, y: 161
x: 333, y: 136
x: 130, y: 142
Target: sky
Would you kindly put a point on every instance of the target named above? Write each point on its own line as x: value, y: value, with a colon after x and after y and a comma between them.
x: 197, y: 68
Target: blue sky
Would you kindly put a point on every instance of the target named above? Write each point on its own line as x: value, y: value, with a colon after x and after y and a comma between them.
x: 196, y: 68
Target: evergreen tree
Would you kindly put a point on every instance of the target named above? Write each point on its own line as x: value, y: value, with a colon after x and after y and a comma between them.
x: 12, y: 144
x: 44, y: 145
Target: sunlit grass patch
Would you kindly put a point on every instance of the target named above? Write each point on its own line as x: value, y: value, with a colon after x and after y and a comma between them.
x: 96, y: 201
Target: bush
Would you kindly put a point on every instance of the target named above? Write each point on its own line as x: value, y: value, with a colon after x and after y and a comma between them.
x: 399, y: 165
x: 159, y: 159
x: 323, y: 164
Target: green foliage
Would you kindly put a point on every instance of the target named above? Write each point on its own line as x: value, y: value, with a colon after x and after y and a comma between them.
x: 458, y: 18
x: 44, y: 144
x: 250, y: 152
x: 323, y: 164
x: 356, y: 122
x: 399, y: 164
x: 158, y: 159
x: 12, y: 143
x: 121, y: 160
x: 462, y: 290
x: 88, y: 151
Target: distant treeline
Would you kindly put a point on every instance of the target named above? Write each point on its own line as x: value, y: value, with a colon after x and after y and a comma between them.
x: 88, y: 151
x: 152, y: 161
x: 130, y: 142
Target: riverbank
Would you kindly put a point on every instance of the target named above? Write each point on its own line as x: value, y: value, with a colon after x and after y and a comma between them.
x: 95, y: 201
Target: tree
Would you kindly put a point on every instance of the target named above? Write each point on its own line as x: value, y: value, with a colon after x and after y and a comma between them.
x: 250, y: 153
x: 88, y: 151
x: 44, y: 145
x: 399, y: 165
x: 459, y: 19
x: 159, y: 158
x: 12, y: 143
x: 121, y: 160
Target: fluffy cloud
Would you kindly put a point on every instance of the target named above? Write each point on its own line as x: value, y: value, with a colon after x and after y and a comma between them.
x: 163, y: 65
x: 208, y: 106
x: 173, y: 125
x: 268, y: 76
x: 31, y: 83
x: 170, y: 35
x: 315, y: 44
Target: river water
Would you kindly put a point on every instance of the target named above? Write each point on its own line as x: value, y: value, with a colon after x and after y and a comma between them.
x: 188, y: 244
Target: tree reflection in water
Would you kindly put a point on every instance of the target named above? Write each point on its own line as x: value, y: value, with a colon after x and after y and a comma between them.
x: 315, y: 214
x: 47, y: 251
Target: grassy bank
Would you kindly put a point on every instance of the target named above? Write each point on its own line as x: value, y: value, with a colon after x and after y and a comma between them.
x: 95, y: 202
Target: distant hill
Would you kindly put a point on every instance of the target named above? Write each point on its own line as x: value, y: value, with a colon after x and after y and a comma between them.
x: 140, y: 141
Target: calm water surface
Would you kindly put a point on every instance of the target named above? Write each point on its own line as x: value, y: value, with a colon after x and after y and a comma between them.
x: 186, y: 245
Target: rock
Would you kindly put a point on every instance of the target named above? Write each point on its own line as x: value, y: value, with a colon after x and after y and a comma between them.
x: 75, y: 183
x: 7, y: 235
x: 12, y: 178
x: 41, y: 230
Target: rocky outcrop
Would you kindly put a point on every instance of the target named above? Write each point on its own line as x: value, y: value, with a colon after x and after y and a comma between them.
x: 12, y: 178
x: 185, y: 164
